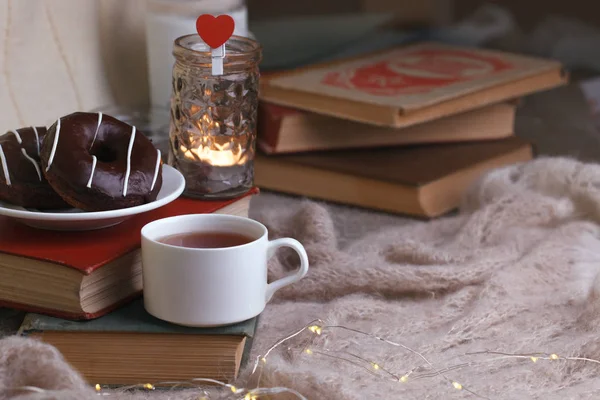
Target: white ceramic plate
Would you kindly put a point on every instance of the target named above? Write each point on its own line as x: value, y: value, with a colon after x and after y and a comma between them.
x: 78, y: 220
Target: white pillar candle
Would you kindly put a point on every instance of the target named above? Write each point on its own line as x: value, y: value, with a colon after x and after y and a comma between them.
x: 166, y: 21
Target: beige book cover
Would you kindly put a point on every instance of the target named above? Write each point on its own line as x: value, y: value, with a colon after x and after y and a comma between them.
x: 412, y: 84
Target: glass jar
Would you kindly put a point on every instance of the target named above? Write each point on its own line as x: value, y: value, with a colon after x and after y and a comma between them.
x: 213, y: 118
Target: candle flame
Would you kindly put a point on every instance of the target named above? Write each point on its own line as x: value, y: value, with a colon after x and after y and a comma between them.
x: 217, y: 156
x: 229, y: 153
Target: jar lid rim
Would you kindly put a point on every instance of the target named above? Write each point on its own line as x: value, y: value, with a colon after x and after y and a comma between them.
x: 253, y: 46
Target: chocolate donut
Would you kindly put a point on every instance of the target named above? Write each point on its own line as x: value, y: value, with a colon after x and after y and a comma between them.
x: 96, y: 162
x: 21, y: 181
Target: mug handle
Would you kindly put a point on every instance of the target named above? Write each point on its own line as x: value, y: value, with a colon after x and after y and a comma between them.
x: 288, y: 280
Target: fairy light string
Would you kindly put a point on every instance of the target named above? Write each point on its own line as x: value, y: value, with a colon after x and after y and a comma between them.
x: 316, y: 328
x: 309, y: 326
x: 376, y: 366
x: 237, y: 393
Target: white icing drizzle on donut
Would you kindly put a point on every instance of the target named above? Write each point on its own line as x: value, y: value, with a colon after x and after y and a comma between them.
x: 97, y: 128
x: 17, y: 136
x: 94, y: 161
x: 37, y: 139
x: 128, y: 170
x: 53, y: 151
x: 35, y: 164
x: 4, y: 166
x: 156, y: 169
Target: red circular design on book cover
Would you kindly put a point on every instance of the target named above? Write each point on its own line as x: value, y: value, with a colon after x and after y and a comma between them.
x: 415, y: 72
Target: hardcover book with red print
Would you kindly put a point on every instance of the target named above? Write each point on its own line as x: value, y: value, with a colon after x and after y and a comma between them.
x: 412, y: 84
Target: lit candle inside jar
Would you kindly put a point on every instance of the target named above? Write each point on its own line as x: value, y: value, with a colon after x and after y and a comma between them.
x: 213, y: 118
x: 213, y: 162
x: 220, y: 156
x: 212, y: 148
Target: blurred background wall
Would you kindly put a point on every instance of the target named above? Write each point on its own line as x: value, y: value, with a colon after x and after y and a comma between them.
x: 528, y: 13
x: 409, y: 11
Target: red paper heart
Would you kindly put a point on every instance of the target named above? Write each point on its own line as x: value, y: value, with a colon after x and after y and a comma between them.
x: 215, y: 31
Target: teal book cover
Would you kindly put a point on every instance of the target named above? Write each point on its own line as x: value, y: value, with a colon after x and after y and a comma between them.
x: 135, y: 336
x: 130, y: 318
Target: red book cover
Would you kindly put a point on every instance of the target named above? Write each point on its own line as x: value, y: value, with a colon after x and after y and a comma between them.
x: 90, y: 250
x: 269, y: 124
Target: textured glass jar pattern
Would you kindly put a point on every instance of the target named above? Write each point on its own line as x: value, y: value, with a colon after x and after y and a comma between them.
x: 213, y: 118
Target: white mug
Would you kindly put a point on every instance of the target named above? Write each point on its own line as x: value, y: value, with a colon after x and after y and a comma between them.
x: 205, y: 287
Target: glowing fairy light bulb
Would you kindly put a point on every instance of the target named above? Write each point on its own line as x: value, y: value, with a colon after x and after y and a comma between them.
x: 98, y: 387
x: 404, y: 378
x: 534, y: 359
x: 149, y: 386
x: 554, y: 356
x: 457, y: 385
x: 308, y: 351
x: 315, y: 329
x: 375, y: 366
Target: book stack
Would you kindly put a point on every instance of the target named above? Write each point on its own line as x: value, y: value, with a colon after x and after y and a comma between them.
x: 82, y: 292
x: 405, y: 130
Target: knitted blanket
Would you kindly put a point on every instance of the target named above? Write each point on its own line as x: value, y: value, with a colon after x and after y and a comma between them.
x: 501, y: 301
